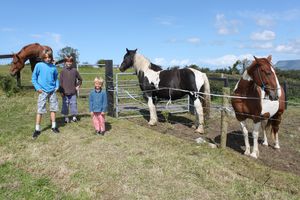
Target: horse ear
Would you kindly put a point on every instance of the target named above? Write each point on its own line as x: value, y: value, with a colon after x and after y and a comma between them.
x: 127, y: 50
x: 255, y: 58
x: 135, y: 50
x: 269, y: 58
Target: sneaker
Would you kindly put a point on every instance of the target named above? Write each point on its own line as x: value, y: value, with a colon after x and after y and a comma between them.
x: 55, y: 130
x: 74, y: 119
x: 67, y: 120
x: 36, y: 134
x: 98, y: 133
x: 102, y: 132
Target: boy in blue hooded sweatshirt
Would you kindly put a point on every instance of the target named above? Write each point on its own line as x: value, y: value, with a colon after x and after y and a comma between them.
x: 45, y: 81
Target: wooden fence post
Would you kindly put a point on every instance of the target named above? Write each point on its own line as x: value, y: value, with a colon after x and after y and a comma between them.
x: 109, y: 82
x: 224, y: 116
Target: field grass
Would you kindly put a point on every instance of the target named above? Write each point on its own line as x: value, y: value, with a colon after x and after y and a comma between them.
x: 130, y: 162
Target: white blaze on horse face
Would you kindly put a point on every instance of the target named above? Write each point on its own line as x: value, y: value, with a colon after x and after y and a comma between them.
x: 277, y: 82
x: 198, y: 78
x: 267, y: 105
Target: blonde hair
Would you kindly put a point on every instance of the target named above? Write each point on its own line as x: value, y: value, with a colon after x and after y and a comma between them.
x: 98, y: 80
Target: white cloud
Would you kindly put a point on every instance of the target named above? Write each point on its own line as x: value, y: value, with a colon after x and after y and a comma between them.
x: 6, y: 29
x: 225, y: 26
x: 263, y: 36
x: 226, y: 60
x: 183, y: 62
x: 284, y: 48
x: 166, y: 21
x: 267, y: 45
x: 193, y: 40
x: 159, y: 61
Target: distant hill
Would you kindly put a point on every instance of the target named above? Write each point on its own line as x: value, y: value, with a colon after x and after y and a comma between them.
x: 288, y: 64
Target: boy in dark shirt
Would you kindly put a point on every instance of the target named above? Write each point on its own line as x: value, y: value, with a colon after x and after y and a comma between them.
x: 70, y: 82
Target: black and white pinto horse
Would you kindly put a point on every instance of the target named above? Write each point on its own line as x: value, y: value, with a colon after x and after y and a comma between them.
x: 169, y: 84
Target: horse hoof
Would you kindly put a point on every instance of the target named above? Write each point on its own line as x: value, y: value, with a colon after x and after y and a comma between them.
x: 265, y: 144
x: 152, y: 123
x: 277, y: 146
x: 199, y: 130
x: 247, y: 153
x: 194, y: 127
x: 254, y: 155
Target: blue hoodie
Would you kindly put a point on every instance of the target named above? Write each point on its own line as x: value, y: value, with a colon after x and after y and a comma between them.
x: 44, y: 77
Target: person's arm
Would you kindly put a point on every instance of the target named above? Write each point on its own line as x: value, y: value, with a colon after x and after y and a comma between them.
x: 79, y: 79
x: 34, y: 78
x: 56, y: 79
x: 91, y: 101
x: 61, y: 82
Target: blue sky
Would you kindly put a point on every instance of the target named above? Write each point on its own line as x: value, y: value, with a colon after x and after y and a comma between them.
x: 211, y: 33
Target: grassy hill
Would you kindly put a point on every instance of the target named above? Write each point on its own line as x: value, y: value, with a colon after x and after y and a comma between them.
x: 130, y: 162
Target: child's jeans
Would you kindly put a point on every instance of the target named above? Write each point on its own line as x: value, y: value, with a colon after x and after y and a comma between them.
x: 99, y: 121
x: 69, y: 102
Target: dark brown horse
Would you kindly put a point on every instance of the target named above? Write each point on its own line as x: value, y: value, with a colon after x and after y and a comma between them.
x: 31, y: 52
x: 259, y: 97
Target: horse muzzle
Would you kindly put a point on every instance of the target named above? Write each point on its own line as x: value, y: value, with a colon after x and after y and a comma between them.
x: 273, y: 95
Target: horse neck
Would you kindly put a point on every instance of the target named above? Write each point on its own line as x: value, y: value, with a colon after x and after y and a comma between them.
x: 245, y: 83
x: 28, y: 52
x: 141, y: 63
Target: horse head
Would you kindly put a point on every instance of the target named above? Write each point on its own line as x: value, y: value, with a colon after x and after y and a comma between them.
x: 128, y: 60
x: 16, y: 65
x: 263, y: 74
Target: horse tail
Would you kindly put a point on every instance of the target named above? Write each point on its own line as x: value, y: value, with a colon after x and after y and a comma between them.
x: 206, y: 96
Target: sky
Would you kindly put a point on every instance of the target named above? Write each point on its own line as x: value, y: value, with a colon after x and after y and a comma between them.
x: 211, y: 34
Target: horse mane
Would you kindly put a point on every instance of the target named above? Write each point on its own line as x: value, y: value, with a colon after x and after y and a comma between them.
x: 25, y: 47
x: 155, y: 67
x: 141, y: 63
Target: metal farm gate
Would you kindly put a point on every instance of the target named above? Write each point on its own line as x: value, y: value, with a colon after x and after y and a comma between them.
x: 129, y: 101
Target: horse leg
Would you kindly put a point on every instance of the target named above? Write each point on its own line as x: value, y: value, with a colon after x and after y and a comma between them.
x: 276, y: 139
x: 199, y: 116
x: 152, y: 110
x: 246, y: 138
x: 19, y: 79
x: 255, y: 152
x: 263, y: 127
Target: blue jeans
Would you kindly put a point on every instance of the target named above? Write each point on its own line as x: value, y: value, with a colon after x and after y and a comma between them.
x: 69, y: 102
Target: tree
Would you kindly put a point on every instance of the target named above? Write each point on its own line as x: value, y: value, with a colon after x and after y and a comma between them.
x: 68, y: 51
x: 101, y: 63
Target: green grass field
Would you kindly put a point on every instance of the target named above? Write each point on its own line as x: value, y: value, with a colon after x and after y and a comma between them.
x: 130, y: 162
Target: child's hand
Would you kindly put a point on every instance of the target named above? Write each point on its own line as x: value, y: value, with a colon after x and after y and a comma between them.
x: 92, y: 114
x: 40, y: 91
x: 77, y: 87
x: 102, y: 113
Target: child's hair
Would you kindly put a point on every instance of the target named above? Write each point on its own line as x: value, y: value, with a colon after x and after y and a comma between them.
x: 47, y: 53
x: 69, y: 59
x: 98, y: 80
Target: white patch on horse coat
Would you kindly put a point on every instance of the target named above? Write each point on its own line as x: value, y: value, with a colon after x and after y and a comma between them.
x: 143, y: 64
x: 277, y: 82
x: 246, y: 76
x: 267, y: 105
x: 198, y: 78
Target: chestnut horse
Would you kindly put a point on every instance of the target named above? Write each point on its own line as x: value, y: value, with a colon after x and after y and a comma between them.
x: 259, y: 97
x: 31, y: 52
